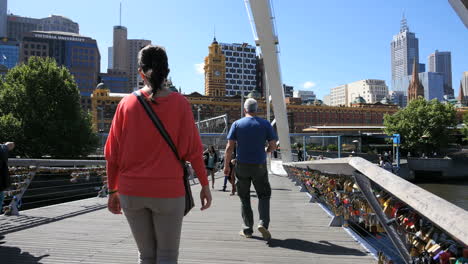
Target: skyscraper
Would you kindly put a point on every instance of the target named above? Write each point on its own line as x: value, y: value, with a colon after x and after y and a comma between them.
x: 79, y: 54
x: 110, y: 57
x: 17, y: 26
x: 3, y: 18
x: 241, y: 72
x: 404, y: 52
x: 134, y: 46
x: 120, y: 49
x: 442, y: 62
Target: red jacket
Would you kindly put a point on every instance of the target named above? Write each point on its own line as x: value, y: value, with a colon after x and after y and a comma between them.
x: 139, y: 161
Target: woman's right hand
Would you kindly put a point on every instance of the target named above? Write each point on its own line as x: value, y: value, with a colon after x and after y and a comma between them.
x: 113, y: 203
x: 205, y: 197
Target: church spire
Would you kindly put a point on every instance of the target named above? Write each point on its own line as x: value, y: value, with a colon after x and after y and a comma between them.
x: 415, y: 88
x: 461, y: 96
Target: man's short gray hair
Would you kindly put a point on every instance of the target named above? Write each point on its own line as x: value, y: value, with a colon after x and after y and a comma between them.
x: 250, y: 105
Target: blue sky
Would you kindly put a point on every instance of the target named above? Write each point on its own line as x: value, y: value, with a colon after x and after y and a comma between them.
x: 324, y: 43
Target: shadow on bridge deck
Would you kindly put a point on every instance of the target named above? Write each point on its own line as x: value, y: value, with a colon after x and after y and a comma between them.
x: 85, y: 232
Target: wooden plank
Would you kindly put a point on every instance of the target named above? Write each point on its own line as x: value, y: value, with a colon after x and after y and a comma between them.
x: 300, y: 234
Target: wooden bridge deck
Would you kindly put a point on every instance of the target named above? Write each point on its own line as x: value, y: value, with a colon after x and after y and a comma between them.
x: 85, y: 232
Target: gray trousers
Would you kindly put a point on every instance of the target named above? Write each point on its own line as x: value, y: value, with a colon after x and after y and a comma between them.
x: 258, y: 175
x: 156, y: 225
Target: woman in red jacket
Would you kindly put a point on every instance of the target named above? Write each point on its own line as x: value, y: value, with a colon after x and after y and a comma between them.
x: 145, y: 179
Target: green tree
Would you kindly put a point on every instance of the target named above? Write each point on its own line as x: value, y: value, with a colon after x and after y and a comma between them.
x: 464, y: 129
x: 40, y: 110
x: 423, y: 125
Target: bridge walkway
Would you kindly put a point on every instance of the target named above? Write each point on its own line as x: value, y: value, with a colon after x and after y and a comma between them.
x: 85, y: 232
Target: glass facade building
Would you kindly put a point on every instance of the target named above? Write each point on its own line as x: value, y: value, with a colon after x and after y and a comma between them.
x: 9, y: 55
x: 241, y: 72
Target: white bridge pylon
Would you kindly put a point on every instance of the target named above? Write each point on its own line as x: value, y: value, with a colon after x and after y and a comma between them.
x: 261, y: 16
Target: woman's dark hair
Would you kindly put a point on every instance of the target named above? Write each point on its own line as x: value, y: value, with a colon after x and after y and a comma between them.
x: 153, y: 62
x: 212, y: 148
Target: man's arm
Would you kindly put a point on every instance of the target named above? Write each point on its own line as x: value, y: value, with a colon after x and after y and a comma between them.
x: 271, y: 146
x: 228, y: 154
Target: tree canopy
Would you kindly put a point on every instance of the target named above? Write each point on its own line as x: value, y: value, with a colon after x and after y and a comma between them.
x: 423, y: 125
x: 40, y: 110
x: 464, y: 129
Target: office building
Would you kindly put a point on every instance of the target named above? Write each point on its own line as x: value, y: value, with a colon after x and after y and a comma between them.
x: 3, y: 18
x: 17, y: 26
x: 371, y: 90
x: 78, y: 53
x: 441, y: 61
x: 327, y: 99
x: 432, y: 86
x: 260, y: 77
x: 116, y: 81
x: 58, y: 23
x: 134, y: 46
x: 422, y: 67
x: 398, y: 98
x: 9, y: 53
x: 306, y: 96
x: 404, y: 52
x: 241, y: 68
x: 123, y: 56
x: 339, y: 95
x: 288, y: 90
x: 120, y: 49
x: 110, y: 58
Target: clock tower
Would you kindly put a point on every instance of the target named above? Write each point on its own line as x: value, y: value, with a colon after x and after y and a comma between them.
x: 215, y: 71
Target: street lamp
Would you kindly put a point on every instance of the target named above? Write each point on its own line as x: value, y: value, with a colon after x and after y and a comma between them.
x: 242, y: 87
x: 101, y: 125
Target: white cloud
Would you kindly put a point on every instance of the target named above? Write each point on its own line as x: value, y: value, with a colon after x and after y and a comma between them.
x: 308, y: 85
x: 199, y: 68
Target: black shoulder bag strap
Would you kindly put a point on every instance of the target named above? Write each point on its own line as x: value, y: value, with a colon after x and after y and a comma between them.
x: 189, y: 201
x: 158, y: 124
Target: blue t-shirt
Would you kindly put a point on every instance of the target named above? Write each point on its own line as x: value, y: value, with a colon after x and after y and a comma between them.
x: 251, y: 134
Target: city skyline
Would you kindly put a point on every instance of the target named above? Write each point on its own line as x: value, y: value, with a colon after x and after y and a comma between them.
x: 320, y: 49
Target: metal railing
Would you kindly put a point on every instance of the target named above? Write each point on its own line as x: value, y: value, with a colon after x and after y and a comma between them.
x: 39, y: 182
x: 420, y: 225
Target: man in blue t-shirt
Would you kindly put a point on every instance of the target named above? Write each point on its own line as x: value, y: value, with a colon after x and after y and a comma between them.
x: 251, y: 134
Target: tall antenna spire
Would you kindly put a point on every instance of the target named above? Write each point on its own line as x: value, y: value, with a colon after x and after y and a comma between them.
x: 404, y: 25
x: 120, y: 14
x: 214, y: 32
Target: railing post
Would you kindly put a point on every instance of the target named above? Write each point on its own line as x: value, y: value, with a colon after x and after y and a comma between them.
x: 339, y: 146
x: 365, y: 186
x: 14, y: 204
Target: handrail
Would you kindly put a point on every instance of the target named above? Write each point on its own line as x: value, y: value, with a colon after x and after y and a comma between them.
x: 55, y: 162
x: 43, y: 173
x: 369, y: 178
x: 444, y: 214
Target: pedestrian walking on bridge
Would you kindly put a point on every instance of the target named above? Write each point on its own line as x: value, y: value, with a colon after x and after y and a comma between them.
x: 251, y: 134
x: 4, y: 176
x: 145, y: 178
